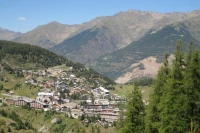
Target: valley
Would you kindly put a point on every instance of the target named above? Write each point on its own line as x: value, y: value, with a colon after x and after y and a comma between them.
x: 134, y: 71
x: 68, y: 92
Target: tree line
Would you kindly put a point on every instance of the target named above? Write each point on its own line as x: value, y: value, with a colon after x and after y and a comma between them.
x: 30, y: 53
x: 175, y: 103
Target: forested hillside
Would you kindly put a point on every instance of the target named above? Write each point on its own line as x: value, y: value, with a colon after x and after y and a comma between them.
x: 174, y: 105
x: 14, y: 56
x: 29, y: 54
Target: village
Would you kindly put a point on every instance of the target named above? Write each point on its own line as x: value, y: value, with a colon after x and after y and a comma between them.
x: 70, y: 95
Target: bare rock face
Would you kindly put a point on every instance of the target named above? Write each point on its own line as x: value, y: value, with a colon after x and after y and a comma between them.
x: 144, y: 68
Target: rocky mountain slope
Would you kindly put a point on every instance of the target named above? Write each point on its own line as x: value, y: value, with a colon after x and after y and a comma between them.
x: 8, y: 35
x: 53, y: 33
x: 46, y: 35
x: 116, y: 32
x: 153, y: 44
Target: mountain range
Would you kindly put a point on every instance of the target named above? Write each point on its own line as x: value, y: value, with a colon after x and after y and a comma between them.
x: 113, y: 44
x: 8, y: 35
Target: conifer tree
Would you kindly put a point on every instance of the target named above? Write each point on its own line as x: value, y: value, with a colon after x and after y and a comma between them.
x: 192, y: 86
x: 135, y: 113
x: 152, y: 118
x: 173, y: 105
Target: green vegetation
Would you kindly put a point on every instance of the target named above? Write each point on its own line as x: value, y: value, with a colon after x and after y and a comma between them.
x: 174, y: 105
x: 11, y: 117
x: 134, y: 115
x: 30, y: 54
x: 15, y: 57
x: 156, y: 44
x: 125, y: 90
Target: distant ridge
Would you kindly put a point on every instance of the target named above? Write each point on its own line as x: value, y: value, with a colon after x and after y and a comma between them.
x: 8, y: 35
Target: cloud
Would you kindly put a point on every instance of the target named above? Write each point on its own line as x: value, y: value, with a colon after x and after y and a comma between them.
x: 21, y: 18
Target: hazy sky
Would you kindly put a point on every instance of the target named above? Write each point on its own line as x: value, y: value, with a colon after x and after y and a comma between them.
x: 25, y: 15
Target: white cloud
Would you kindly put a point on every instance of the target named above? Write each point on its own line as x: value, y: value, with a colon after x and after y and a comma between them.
x: 22, y: 18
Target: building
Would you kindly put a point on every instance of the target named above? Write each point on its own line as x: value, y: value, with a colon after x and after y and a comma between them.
x: 21, y: 101
x: 38, y: 105
x: 104, y: 91
x: 46, y: 94
x: 61, y: 86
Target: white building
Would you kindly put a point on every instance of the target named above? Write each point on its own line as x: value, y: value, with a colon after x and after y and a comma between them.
x: 46, y: 94
x: 103, y: 90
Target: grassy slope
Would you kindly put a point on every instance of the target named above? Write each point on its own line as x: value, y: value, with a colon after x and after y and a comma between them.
x: 124, y: 90
x: 38, y: 120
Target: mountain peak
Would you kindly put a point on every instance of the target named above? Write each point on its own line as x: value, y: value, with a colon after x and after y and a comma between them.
x: 55, y: 22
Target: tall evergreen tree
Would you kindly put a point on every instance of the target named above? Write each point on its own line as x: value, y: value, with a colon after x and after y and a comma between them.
x: 135, y: 113
x: 173, y: 105
x: 189, y: 54
x: 192, y: 86
x: 153, y: 119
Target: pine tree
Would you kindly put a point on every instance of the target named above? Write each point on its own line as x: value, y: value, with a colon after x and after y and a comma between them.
x: 135, y: 113
x: 153, y: 119
x: 173, y: 105
x: 192, y: 86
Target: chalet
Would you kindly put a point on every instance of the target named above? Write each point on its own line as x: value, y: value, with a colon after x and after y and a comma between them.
x: 38, y: 105
x: 100, y: 92
x: 61, y: 86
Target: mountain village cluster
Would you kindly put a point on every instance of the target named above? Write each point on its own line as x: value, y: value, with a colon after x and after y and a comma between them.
x: 60, y: 96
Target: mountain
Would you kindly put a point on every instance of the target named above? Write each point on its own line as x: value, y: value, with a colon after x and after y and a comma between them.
x: 8, y: 35
x: 46, y: 35
x: 115, y: 32
x: 121, y: 62
x: 53, y: 33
